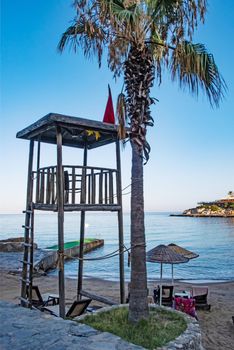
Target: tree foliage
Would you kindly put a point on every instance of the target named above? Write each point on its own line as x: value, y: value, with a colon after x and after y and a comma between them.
x: 166, y: 27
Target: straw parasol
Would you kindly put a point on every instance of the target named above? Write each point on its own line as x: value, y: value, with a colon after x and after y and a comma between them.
x: 164, y: 255
x: 182, y: 251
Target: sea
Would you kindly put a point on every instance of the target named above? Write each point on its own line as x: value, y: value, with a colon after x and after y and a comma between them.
x: 211, y: 238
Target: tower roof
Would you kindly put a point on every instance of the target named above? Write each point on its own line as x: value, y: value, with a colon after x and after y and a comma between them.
x: 77, y: 132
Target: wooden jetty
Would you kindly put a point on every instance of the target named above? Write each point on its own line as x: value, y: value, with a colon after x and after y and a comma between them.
x: 71, y: 250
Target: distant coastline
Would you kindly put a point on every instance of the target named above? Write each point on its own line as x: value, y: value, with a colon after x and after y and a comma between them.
x: 223, y: 208
x: 203, y: 216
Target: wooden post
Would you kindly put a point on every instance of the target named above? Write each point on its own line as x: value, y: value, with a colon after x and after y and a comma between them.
x: 38, y: 167
x: 120, y: 224
x: 93, y: 188
x: 60, y: 201
x: 106, y: 193
x: 27, y: 220
x: 42, y: 186
x: 111, y: 192
x: 82, y: 225
x: 101, y: 187
x: 48, y: 190
x: 160, y: 291
x: 52, y: 186
x: 31, y: 254
x: 89, y: 188
x: 73, y: 185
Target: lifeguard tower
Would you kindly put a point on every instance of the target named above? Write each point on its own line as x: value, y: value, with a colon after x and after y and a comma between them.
x: 64, y: 188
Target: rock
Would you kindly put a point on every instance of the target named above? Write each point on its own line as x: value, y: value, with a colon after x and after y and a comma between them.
x: 13, y: 245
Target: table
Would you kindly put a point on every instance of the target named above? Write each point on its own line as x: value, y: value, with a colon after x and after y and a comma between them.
x: 183, y: 294
x: 50, y: 298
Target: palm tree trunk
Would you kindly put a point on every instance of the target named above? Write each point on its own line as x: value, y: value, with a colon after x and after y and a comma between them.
x: 138, y: 305
x: 139, y: 76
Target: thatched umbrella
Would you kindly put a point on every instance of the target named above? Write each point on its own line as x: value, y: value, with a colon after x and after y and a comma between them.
x: 182, y: 251
x: 164, y: 255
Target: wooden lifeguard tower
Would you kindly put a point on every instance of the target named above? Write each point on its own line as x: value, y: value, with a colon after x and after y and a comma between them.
x: 64, y: 188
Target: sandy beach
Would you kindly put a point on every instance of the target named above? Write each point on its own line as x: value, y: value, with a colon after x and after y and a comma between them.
x: 216, y: 325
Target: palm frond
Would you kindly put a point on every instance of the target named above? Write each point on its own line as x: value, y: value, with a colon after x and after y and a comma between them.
x: 125, y: 12
x: 177, y: 18
x: 161, y: 8
x: 117, y: 54
x: 195, y: 68
x: 69, y: 35
x: 85, y: 34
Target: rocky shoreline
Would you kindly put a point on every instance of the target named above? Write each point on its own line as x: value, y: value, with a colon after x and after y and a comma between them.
x: 11, y: 255
x: 204, y: 215
x: 222, y: 208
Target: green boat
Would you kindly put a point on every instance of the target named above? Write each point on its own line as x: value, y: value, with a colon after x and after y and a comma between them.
x: 72, y: 244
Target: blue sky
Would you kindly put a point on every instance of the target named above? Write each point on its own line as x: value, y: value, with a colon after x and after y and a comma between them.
x: 192, y: 144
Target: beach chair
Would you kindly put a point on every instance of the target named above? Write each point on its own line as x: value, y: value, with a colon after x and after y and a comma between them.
x: 200, y: 295
x: 40, y: 300
x: 76, y: 309
x: 167, y: 295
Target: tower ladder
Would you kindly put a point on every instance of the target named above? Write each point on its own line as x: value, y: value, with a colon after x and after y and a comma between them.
x: 27, y: 261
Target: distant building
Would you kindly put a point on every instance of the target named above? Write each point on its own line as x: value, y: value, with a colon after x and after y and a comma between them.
x: 228, y: 199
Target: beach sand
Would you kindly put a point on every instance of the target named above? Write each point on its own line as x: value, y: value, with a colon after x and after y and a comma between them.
x: 216, y: 325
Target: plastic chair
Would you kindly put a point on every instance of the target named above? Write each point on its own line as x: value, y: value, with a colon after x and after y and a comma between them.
x: 167, y: 295
x: 200, y: 295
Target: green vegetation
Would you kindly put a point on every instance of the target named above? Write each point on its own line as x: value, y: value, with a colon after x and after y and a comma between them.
x: 217, y: 206
x: 71, y: 244
x: 214, y: 207
x: 229, y: 206
x: 204, y: 206
x: 160, y: 328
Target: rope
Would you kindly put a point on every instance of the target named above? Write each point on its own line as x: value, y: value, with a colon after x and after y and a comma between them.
x: 124, y: 194
x: 142, y: 244
x: 123, y: 189
x: 60, y: 265
x: 107, y: 256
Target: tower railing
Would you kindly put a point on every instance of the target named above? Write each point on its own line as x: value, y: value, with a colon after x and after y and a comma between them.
x: 83, y: 185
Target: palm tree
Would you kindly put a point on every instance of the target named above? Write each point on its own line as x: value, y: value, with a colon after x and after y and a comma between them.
x: 139, y: 39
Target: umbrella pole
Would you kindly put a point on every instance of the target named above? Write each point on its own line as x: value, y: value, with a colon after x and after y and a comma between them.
x: 172, y: 274
x: 160, y: 295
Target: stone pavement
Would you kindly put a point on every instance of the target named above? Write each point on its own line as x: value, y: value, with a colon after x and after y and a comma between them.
x: 22, y: 328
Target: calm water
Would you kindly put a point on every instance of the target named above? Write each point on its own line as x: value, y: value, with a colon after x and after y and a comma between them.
x: 211, y: 238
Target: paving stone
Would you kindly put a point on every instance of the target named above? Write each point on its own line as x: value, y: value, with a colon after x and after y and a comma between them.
x: 33, y: 330
x: 22, y: 328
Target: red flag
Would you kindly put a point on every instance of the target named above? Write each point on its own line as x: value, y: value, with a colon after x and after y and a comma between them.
x: 109, y: 116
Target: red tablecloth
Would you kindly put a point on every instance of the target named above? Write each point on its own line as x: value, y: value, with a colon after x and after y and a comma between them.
x: 186, y: 305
